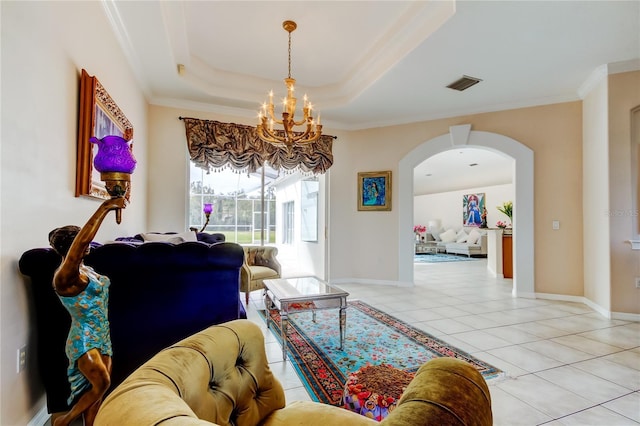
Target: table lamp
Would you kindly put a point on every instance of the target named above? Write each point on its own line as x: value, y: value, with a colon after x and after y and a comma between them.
x: 207, y: 209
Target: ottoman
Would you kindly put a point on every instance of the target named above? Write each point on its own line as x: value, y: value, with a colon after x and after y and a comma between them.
x: 374, y: 390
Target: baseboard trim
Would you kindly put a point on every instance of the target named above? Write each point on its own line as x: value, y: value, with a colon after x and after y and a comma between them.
x: 623, y: 316
x: 599, y: 309
x: 562, y: 297
x: 41, y: 417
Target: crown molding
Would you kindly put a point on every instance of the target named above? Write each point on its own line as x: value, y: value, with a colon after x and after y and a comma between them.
x: 122, y: 36
x: 605, y: 70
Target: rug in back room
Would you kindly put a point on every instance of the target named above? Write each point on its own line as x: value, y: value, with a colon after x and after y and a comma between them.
x: 372, y: 337
x: 441, y: 257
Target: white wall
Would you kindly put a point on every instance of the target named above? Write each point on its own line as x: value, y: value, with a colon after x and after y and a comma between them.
x: 44, y: 46
x: 595, y: 175
x: 309, y: 255
x: 447, y: 206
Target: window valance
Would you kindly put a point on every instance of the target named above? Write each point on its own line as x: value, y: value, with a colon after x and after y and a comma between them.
x: 214, y: 145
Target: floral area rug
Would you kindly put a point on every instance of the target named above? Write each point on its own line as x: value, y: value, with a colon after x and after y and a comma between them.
x: 372, y: 337
x: 441, y: 257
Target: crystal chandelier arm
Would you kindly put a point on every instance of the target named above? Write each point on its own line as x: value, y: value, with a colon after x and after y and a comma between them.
x: 265, y: 131
x: 308, y: 136
x: 271, y: 114
x: 268, y: 136
x: 305, y: 119
x: 290, y: 138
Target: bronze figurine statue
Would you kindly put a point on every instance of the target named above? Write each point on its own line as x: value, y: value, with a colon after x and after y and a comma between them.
x: 484, y: 218
x: 84, y: 293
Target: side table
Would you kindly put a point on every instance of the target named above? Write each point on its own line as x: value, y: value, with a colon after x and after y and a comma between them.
x: 426, y: 247
x: 303, y: 294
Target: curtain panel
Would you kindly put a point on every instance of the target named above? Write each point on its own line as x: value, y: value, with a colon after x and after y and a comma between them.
x: 214, y: 145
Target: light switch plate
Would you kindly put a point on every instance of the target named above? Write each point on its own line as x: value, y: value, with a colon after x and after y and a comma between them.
x: 556, y: 225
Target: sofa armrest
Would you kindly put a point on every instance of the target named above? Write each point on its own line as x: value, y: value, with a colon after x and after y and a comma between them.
x: 444, y: 391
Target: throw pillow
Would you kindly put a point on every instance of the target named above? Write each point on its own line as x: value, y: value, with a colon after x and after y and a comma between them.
x: 474, y: 236
x: 448, y: 236
x: 461, y: 236
x: 170, y: 238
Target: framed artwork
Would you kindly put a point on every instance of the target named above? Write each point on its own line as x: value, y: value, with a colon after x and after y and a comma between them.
x: 472, y: 207
x: 374, y: 191
x: 99, y: 116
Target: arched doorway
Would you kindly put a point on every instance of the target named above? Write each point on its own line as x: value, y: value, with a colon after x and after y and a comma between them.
x: 463, y: 136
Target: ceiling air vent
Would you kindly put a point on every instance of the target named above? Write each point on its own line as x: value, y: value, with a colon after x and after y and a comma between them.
x: 464, y: 83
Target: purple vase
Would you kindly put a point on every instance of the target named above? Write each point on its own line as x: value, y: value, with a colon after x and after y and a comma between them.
x: 114, y: 155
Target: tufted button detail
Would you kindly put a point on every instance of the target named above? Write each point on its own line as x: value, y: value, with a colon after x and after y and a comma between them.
x: 213, y: 385
x: 233, y: 419
x: 240, y: 361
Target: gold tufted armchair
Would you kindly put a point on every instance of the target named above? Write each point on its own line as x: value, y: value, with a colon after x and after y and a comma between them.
x: 260, y: 264
x: 221, y: 376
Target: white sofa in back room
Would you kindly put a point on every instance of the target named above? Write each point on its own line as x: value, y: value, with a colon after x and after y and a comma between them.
x: 467, y: 241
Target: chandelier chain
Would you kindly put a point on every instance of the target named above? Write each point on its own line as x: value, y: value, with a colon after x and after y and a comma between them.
x: 289, y: 54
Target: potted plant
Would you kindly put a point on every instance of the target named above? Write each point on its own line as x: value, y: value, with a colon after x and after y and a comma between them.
x: 419, y: 229
x: 507, y: 209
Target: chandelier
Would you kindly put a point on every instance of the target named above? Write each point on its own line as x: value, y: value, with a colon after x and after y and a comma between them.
x: 287, y: 137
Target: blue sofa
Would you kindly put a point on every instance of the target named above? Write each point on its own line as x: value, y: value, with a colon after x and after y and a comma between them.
x: 160, y: 293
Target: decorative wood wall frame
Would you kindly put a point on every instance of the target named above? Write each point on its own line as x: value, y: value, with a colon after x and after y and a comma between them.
x: 374, y: 191
x: 99, y: 116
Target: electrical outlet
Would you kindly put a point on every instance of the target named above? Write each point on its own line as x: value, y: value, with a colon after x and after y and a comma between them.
x: 637, y: 282
x: 22, y: 358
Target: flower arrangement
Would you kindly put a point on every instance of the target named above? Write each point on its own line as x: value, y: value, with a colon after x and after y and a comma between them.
x: 507, y: 209
x: 501, y: 224
x: 419, y: 229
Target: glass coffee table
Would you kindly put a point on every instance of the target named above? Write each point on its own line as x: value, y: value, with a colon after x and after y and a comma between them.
x: 289, y: 295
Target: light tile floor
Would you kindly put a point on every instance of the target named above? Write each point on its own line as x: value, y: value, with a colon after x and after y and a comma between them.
x: 565, y: 364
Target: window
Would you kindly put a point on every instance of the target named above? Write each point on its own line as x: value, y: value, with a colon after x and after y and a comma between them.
x: 236, y: 199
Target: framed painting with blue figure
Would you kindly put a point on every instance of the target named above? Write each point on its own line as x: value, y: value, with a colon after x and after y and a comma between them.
x: 374, y: 191
x: 472, y: 207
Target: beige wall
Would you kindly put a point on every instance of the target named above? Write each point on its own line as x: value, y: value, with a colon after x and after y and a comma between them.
x: 44, y: 47
x: 553, y: 132
x: 624, y: 95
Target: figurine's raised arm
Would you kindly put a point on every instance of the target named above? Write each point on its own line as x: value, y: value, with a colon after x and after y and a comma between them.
x: 69, y: 279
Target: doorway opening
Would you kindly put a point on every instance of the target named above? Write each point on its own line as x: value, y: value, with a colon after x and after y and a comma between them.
x: 460, y: 190
x: 523, y: 241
